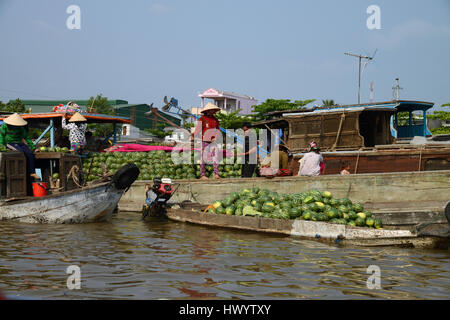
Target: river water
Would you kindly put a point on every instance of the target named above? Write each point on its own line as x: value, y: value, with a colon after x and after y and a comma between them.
x: 131, y: 259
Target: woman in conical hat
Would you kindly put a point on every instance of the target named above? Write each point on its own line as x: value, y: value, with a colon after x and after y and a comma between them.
x: 208, y: 127
x: 312, y: 163
x: 77, y: 135
x: 13, y: 134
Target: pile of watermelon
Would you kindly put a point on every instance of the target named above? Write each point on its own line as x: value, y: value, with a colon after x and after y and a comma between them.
x: 54, y: 149
x: 312, y: 205
x: 154, y: 164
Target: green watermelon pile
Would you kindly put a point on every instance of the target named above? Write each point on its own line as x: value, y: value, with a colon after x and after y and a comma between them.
x: 313, y: 205
x: 54, y: 149
x: 153, y: 164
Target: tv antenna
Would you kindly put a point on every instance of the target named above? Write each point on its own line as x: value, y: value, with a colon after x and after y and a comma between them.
x: 360, y: 57
x: 396, y: 90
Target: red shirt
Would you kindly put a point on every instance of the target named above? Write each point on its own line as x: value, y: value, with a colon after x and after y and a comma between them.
x: 207, y: 123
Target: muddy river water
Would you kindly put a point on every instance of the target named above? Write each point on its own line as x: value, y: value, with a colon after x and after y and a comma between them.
x: 127, y: 258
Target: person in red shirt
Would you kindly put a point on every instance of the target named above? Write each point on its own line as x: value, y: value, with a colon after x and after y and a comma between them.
x: 208, y: 126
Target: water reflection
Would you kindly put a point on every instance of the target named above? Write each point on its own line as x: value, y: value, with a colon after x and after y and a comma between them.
x: 132, y: 259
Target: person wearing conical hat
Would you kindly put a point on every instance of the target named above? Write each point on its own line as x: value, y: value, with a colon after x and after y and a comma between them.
x: 312, y: 163
x: 208, y: 126
x: 13, y: 134
x: 77, y: 131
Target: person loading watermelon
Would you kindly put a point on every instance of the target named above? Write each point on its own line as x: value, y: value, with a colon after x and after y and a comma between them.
x: 13, y: 135
x: 208, y: 126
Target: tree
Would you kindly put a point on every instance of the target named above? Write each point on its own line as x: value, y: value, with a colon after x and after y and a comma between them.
x: 328, y: 103
x: 13, y: 106
x: 443, y: 116
x: 99, y: 104
x: 270, y: 105
x: 233, y: 120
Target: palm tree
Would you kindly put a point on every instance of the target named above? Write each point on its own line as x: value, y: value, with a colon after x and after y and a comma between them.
x: 328, y: 103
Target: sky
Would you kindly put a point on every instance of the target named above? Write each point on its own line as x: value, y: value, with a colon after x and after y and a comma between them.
x: 141, y: 51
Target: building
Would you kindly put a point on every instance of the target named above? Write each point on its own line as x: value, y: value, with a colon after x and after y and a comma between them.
x: 136, y: 112
x: 229, y: 101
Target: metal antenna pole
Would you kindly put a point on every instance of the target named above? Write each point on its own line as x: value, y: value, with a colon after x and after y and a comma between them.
x: 359, y: 71
x: 396, y: 90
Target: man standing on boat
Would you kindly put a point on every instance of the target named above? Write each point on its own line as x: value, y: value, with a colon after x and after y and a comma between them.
x: 208, y: 126
x: 77, y: 135
x: 13, y: 135
x: 312, y: 162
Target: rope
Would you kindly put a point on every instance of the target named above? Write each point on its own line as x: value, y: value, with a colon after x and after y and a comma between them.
x: 339, y: 131
x: 422, y: 226
x: 357, y: 161
x: 420, y: 158
x: 73, y: 173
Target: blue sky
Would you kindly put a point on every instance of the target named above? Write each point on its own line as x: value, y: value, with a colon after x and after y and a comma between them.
x: 141, y: 51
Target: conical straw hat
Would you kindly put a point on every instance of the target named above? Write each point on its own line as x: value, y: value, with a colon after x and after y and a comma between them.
x: 15, y: 120
x: 77, y: 117
x: 211, y: 106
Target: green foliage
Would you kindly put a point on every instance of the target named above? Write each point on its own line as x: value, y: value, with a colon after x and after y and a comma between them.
x: 328, y: 103
x: 270, y: 105
x: 99, y: 104
x: 441, y: 130
x: 441, y: 115
x: 233, y: 120
x: 13, y: 106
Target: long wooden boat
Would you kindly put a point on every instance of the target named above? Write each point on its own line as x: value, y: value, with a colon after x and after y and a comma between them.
x: 433, y: 236
x: 93, y: 203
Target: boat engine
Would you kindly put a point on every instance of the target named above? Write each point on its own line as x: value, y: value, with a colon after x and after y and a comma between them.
x: 157, y: 197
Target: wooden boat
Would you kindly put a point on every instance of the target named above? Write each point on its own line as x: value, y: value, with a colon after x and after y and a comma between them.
x: 432, y: 236
x: 93, y: 203
x: 364, y: 136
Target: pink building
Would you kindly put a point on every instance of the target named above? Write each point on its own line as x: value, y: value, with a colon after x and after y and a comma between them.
x: 229, y: 101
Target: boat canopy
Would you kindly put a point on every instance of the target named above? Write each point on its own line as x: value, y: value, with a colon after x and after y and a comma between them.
x: 52, y: 121
x: 349, y: 126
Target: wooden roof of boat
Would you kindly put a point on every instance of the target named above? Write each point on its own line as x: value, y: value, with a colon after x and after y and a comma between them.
x: 91, y: 117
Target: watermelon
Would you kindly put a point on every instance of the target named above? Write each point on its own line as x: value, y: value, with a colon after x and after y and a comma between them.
x: 378, y: 224
x: 307, y: 215
x: 229, y: 211
x: 360, y: 222
x: 294, y: 213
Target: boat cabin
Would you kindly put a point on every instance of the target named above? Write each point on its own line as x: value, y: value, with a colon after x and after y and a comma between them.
x: 348, y: 127
x: 15, y: 183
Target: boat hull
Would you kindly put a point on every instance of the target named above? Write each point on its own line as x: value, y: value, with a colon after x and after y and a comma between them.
x: 92, y: 204
x: 312, y: 230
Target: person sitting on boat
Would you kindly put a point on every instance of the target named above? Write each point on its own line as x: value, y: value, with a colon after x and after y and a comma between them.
x: 13, y: 134
x: 345, y: 168
x: 208, y: 126
x: 77, y: 135
x: 277, y: 162
x: 312, y: 162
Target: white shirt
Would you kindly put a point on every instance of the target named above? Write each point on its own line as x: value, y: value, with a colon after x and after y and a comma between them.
x: 310, y: 164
